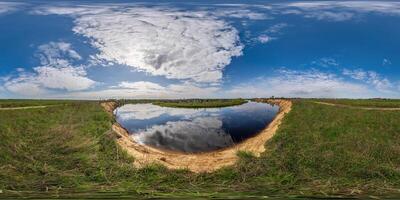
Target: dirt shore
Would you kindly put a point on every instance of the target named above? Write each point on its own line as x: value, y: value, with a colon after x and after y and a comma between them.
x: 199, y: 162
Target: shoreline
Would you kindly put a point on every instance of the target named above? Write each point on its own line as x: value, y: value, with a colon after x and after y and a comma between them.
x: 197, y: 162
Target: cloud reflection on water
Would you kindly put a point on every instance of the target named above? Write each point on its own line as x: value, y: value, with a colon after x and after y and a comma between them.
x: 193, y: 130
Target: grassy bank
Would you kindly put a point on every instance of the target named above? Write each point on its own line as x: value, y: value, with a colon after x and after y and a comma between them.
x: 318, y: 150
x: 200, y: 103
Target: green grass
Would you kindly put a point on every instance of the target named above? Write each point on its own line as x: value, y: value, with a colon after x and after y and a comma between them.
x: 9, y: 103
x: 318, y: 150
x: 379, y: 103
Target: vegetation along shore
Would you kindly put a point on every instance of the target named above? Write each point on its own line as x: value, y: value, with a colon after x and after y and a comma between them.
x: 319, y: 150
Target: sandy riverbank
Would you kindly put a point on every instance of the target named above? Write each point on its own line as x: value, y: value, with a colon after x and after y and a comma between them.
x: 199, y: 162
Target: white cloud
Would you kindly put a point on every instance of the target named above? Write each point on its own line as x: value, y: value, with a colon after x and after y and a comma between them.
x: 240, y: 13
x: 372, y: 78
x: 357, y: 74
x: 276, y: 28
x: 144, y: 89
x: 140, y: 85
x: 387, y: 7
x: 340, y: 10
x: 290, y: 83
x: 68, y: 77
x: 269, y: 34
x: 176, y: 44
x: 7, y: 7
x: 325, y: 62
x: 55, y: 72
x: 54, y: 53
x: 25, y: 87
x: 264, y: 38
x: 330, y: 15
x: 242, y: 5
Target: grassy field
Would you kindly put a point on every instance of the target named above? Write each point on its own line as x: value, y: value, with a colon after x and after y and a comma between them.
x: 10, y: 103
x: 379, y: 103
x: 319, y: 150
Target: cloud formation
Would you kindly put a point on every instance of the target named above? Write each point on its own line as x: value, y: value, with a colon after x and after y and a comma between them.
x: 192, y: 46
x: 176, y: 44
x: 240, y: 13
x: 7, y: 7
x: 55, y: 72
x: 372, y: 78
x: 145, y: 89
x: 292, y: 83
x: 339, y: 10
x: 263, y: 38
x: 271, y: 33
x: 325, y: 62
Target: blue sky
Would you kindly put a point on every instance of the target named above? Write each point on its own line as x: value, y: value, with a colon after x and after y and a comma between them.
x: 97, y: 50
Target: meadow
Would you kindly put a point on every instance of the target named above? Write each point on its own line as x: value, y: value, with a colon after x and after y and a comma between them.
x: 9, y: 103
x: 378, y: 103
x: 319, y: 150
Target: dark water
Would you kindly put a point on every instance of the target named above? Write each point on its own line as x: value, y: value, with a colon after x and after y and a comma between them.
x: 194, y: 130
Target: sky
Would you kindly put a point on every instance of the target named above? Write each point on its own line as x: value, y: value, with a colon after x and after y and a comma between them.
x: 199, y: 49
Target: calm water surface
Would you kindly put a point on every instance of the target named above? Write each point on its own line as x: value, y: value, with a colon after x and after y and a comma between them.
x: 194, y: 130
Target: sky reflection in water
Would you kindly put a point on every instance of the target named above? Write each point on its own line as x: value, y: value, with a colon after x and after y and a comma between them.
x: 194, y: 130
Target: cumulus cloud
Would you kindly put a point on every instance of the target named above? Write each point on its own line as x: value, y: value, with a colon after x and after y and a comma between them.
x: 55, y: 72
x: 292, y: 83
x: 26, y: 87
x: 176, y: 44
